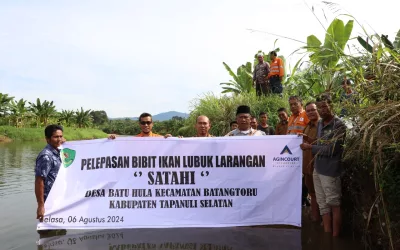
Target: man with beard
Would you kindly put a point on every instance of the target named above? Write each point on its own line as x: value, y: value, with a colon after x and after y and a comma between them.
x: 298, y: 120
x: 328, y: 151
x: 243, y: 119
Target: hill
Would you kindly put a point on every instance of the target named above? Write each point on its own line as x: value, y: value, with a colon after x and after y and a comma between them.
x: 159, y: 117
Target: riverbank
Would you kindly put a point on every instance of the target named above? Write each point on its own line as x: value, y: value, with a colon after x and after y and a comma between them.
x: 9, y: 133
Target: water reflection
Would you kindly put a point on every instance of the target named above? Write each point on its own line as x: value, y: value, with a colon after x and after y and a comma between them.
x: 17, y: 161
x: 248, y: 238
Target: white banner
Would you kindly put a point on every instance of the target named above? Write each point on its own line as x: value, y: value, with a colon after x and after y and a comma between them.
x: 191, y: 182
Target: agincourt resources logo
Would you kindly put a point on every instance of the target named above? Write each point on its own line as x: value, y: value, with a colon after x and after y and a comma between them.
x: 286, y: 150
x: 67, y: 156
x: 286, y: 161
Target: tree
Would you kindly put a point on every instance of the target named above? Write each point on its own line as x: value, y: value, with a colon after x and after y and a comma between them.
x: 66, y: 117
x: 43, y: 111
x: 242, y: 81
x: 5, y: 102
x: 19, y: 110
x: 326, y: 57
x: 99, y: 117
x: 83, y: 118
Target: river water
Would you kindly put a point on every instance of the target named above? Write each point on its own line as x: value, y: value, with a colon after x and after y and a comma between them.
x: 18, y: 222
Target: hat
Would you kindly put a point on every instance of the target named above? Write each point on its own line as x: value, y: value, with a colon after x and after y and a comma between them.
x: 243, y: 109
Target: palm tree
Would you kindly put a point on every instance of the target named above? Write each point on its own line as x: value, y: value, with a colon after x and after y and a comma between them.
x: 83, y: 118
x: 242, y: 81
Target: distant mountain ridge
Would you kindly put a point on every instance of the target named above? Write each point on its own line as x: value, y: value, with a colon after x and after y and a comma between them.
x: 159, y: 117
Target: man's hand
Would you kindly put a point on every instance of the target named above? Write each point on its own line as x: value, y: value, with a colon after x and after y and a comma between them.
x: 169, y: 135
x: 305, y: 137
x: 40, y: 213
x: 305, y: 146
x: 112, y: 136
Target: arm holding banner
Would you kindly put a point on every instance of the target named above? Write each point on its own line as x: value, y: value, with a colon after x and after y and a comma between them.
x: 41, y: 171
x: 334, y: 145
x: 39, y: 192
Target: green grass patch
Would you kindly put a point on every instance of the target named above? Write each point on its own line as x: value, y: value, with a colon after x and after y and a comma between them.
x: 37, y: 134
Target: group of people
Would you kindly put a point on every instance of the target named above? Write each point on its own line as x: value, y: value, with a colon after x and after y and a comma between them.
x: 267, y: 77
x: 322, y: 131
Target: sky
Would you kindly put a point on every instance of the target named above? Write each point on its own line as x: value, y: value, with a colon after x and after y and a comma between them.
x: 127, y: 56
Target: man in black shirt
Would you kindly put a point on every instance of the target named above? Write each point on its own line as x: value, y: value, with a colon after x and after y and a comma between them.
x: 263, y: 126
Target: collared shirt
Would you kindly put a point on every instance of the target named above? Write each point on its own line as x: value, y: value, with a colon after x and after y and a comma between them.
x: 47, y: 165
x: 250, y: 132
x: 267, y: 130
x: 260, y: 73
x: 297, y: 123
x: 281, y: 128
x: 151, y: 134
x: 329, y: 147
x: 308, y: 159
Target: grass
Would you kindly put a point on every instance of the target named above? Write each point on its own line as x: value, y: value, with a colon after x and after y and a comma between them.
x: 37, y: 134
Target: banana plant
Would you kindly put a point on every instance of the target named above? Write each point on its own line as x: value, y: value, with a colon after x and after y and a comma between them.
x: 19, y: 109
x: 326, y: 56
x: 43, y: 111
x: 242, y: 81
x: 5, y: 103
x: 83, y: 118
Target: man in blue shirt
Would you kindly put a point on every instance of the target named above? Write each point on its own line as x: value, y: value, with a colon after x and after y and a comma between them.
x: 47, y: 165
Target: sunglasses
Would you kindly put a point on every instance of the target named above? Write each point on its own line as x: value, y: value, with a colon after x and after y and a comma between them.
x: 146, y: 122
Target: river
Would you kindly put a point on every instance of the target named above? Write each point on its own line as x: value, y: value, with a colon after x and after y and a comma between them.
x: 18, y: 223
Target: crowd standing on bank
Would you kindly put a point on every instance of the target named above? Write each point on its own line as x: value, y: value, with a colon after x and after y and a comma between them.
x: 323, y: 136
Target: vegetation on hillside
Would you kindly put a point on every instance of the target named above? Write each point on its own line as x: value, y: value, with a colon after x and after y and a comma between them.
x: 24, y: 120
x: 37, y: 134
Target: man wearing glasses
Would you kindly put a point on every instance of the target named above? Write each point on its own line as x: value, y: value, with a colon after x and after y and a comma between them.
x: 146, y: 125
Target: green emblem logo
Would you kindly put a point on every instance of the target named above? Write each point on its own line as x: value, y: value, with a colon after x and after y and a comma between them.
x: 67, y: 156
